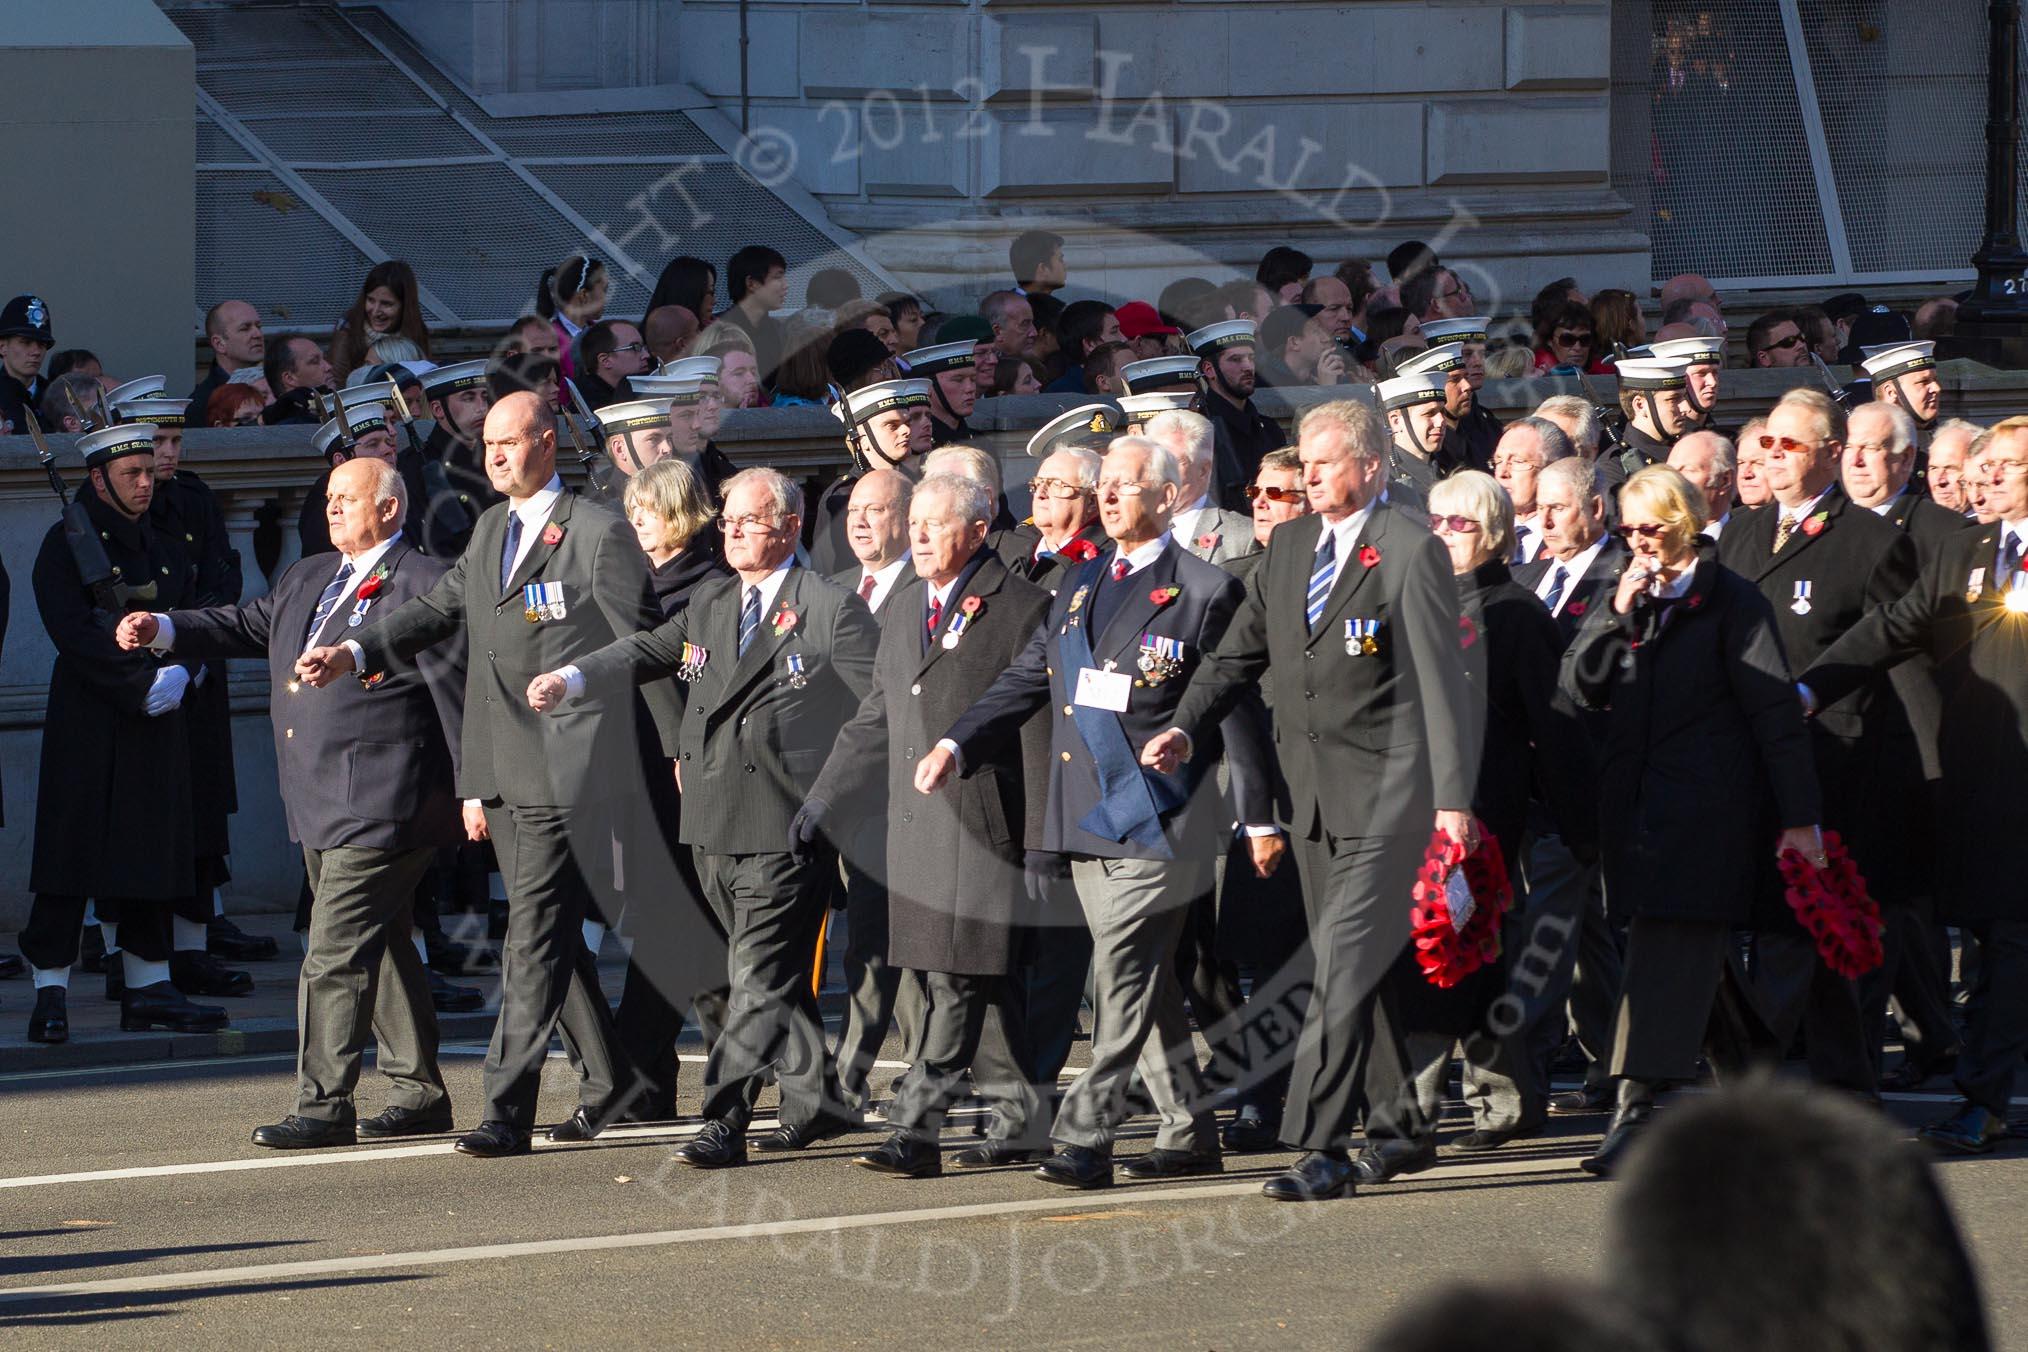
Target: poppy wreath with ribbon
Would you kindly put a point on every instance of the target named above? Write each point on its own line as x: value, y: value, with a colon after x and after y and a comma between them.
x: 1447, y: 955
x: 1832, y: 904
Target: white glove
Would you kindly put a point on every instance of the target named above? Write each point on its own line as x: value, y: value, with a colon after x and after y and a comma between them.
x: 166, y: 692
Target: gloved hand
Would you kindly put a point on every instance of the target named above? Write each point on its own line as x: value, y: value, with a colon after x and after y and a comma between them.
x: 166, y: 692
x: 806, y: 828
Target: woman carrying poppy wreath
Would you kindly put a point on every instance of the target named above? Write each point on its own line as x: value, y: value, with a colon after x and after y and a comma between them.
x: 1512, y: 647
x: 1704, y: 754
x: 388, y: 304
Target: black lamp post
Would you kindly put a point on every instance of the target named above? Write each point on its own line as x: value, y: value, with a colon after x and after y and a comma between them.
x: 1993, y: 325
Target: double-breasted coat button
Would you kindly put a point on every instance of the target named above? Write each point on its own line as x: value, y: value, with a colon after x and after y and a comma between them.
x: 749, y: 769
x: 1066, y: 755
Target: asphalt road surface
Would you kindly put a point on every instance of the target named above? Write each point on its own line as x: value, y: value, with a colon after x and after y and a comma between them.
x: 134, y: 1212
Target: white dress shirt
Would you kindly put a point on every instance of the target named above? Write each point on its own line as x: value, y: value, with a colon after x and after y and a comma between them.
x: 1191, y: 521
x: 883, y: 583
x: 1798, y: 514
x: 770, y: 587
x: 1346, y: 535
x: 534, y: 513
x: 362, y: 566
x: 1573, y: 571
x: 1142, y: 557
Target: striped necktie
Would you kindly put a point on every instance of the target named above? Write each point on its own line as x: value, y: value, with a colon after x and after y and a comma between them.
x: 1321, y: 577
x: 1559, y: 578
x: 1783, y: 530
x: 749, y: 619
x: 327, y: 603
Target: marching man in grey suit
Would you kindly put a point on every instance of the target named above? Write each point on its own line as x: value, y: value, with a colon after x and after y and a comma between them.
x: 546, y: 579
x: 1123, y: 635
x: 1201, y: 526
x: 776, y: 659
x: 367, y: 774
x: 1355, y: 609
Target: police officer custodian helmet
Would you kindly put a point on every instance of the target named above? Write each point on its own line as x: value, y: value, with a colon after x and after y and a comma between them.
x: 27, y: 317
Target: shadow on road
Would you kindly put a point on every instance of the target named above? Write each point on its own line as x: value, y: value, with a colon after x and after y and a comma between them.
x: 22, y: 1265
x: 79, y: 1311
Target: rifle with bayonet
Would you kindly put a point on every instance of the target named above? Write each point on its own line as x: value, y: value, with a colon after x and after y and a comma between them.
x: 588, y: 455
x: 439, y: 501
x: 1843, y: 394
x: 101, y: 578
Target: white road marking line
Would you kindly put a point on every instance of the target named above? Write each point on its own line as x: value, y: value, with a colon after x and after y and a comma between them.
x: 1081, y: 1202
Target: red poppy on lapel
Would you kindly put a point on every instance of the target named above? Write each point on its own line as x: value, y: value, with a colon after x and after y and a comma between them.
x: 1162, y: 596
x: 1368, y: 556
x: 1815, y: 524
x: 1468, y: 633
x: 552, y: 534
x: 371, y: 587
x: 785, y: 621
x: 1079, y: 550
x: 1576, y: 608
x: 972, y: 605
x: 1207, y: 542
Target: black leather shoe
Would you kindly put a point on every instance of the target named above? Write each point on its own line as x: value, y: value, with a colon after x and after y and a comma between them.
x: 1248, y: 1134
x: 51, y: 1020
x: 1159, y: 1164
x: 1969, y: 1131
x: 718, y: 1146
x: 304, y: 1133
x: 1911, y: 1075
x: 579, y: 1126
x: 91, y: 951
x: 406, y: 1122
x: 11, y: 967
x: 995, y: 1155
x: 163, y: 1006
x: 197, y: 973
x: 1578, y: 1101
x: 1385, y: 1161
x: 1077, y: 1166
x: 1317, y: 1177
x: 223, y: 939
x: 904, y: 1156
x: 824, y: 1127
x: 1475, y: 1142
x: 1629, y: 1121
x: 450, y: 999
x: 116, y: 980
x: 494, y: 1140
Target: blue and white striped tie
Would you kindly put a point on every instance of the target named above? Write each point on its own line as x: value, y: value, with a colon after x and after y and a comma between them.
x: 749, y: 618
x: 327, y: 603
x: 1321, y: 577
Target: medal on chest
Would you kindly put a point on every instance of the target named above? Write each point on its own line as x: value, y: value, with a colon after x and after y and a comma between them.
x: 1975, y: 585
x: 1160, y: 658
x: 543, y: 601
x: 1362, y: 638
x: 799, y: 675
x: 693, y: 662
x: 1801, y: 604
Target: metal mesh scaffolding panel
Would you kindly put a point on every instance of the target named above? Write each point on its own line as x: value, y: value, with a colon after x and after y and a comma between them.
x: 277, y: 37
x: 384, y: 31
x: 478, y: 235
x: 407, y: 134
x: 1913, y: 189
x: 1731, y: 185
x: 668, y: 133
x: 256, y: 239
x: 325, y: 87
x: 215, y: 147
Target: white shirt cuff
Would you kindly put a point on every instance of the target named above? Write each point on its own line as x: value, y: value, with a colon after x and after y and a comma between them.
x: 474, y: 802
x: 165, y: 634
x: 1251, y: 831
x: 946, y: 744
x: 573, y: 681
x: 358, y: 656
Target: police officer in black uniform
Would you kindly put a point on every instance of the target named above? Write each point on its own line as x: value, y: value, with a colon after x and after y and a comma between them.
x: 113, y: 812
x: 25, y: 339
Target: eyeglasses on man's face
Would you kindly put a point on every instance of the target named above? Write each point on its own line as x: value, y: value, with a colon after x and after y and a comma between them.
x: 1273, y: 494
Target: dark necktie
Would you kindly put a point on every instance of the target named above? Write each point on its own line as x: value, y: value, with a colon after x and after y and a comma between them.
x: 866, y: 589
x: 936, y: 614
x: 1321, y: 577
x: 513, y: 547
x: 2010, y: 558
x: 327, y: 603
x: 749, y: 618
x: 1559, y: 577
x: 1120, y: 570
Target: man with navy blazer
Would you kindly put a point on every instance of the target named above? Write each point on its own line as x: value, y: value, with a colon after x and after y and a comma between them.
x: 546, y: 579
x: 1123, y: 635
x: 367, y: 777
x: 1355, y: 608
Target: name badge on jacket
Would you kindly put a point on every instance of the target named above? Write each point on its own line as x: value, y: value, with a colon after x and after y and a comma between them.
x: 1108, y: 690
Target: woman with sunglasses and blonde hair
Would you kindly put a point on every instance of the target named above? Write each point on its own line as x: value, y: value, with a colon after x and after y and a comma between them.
x: 1512, y: 647
x: 1705, y: 770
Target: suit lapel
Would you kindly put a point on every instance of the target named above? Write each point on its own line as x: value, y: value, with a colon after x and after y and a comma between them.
x: 766, y: 642
x: 548, y: 540
x: 1352, y: 573
x: 1132, y: 610
x: 1830, y: 506
x: 982, y: 581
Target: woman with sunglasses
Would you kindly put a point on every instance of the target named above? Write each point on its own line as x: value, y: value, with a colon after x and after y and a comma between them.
x: 1511, y: 647
x: 1705, y: 768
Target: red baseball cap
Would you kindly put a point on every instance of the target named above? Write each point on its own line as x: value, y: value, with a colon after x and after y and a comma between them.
x: 1138, y: 319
